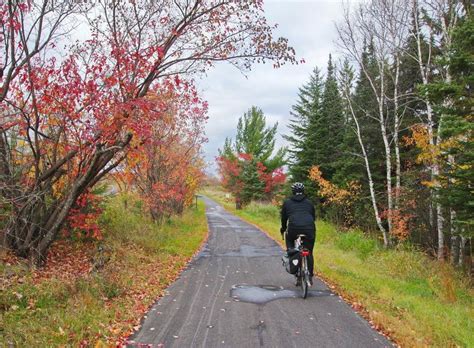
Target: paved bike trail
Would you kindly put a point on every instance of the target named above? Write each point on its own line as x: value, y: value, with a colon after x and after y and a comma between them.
x: 235, y: 293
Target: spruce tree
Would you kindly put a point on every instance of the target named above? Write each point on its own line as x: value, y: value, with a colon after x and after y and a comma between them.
x: 457, y: 189
x: 329, y: 129
x: 227, y: 150
x: 365, y: 105
x: 254, y: 138
x: 305, y: 113
x: 348, y: 166
x: 415, y: 111
x: 253, y: 186
x: 249, y: 162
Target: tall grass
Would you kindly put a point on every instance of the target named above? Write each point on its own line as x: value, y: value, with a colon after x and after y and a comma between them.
x: 417, y: 300
x: 175, y: 236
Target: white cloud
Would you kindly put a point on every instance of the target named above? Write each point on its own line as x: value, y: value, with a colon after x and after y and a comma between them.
x: 309, y: 27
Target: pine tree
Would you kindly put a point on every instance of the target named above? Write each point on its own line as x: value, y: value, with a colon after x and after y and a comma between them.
x: 254, y: 138
x: 365, y: 104
x: 305, y: 113
x: 227, y: 150
x: 253, y: 186
x: 249, y: 167
x: 457, y: 148
x: 329, y: 129
x: 423, y: 221
x: 348, y: 166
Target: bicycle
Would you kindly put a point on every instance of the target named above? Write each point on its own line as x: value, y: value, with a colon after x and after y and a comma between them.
x: 302, y: 271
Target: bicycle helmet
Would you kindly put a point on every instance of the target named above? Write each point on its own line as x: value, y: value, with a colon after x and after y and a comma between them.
x: 297, y: 188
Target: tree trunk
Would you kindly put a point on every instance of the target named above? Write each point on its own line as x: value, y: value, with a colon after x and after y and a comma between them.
x: 462, y: 246
x: 455, y: 251
x: 440, y: 223
x: 434, y: 166
x: 35, y: 224
x: 373, y: 198
x: 452, y: 226
x: 431, y: 212
x: 155, y: 214
x: 388, y: 169
x: 396, y: 130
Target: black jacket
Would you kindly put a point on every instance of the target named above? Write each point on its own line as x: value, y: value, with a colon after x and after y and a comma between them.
x: 298, y: 212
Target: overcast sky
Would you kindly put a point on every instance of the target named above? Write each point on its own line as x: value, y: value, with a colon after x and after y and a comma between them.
x: 310, y: 27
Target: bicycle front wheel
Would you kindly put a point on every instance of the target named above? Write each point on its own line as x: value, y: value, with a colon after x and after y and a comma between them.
x: 304, y: 276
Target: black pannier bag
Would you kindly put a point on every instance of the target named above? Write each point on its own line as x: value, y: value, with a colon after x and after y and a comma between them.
x: 292, y: 261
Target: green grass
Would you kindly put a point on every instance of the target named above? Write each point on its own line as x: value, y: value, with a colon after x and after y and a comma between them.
x: 144, y: 257
x: 417, y: 300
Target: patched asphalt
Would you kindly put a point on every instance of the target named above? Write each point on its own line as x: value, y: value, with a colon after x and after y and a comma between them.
x: 235, y: 293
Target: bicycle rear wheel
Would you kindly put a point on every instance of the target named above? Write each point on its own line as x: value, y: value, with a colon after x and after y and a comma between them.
x: 304, y: 276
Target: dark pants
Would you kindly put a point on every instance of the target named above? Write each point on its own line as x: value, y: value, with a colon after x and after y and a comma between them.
x: 308, y: 243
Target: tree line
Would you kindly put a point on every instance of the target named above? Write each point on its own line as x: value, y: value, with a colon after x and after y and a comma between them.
x: 385, y: 139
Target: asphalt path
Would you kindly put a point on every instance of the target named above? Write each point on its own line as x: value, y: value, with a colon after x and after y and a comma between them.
x: 235, y: 293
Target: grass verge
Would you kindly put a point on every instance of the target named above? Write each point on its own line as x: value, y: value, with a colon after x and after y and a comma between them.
x: 417, y: 301
x: 97, y: 298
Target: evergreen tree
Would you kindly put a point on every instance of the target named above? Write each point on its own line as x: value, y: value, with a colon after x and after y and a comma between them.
x: 365, y: 104
x: 414, y: 173
x: 457, y: 189
x: 254, y: 138
x: 227, y: 150
x: 329, y: 129
x: 249, y: 167
x: 305, y: 113
x: 349, y: 166
x: 253, y: 185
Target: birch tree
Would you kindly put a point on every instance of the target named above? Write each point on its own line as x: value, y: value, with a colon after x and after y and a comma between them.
x: 395, y: 16
x: 346, y: 88
x: 436, y: 20
x: 362, y: 25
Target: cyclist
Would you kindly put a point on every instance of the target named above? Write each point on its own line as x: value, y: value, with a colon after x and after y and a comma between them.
x: 297, y: 214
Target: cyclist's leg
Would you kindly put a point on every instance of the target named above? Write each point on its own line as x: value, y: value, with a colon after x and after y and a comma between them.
x: 290, y: 240
x: 308, y: 243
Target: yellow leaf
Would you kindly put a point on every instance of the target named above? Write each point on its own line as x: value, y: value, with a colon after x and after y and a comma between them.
x: 100, y: 344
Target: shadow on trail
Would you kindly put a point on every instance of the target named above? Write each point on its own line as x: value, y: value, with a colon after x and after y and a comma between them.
x: 261, y: 294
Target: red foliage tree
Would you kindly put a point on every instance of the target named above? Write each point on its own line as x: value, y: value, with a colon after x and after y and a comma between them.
x: 230, y: 170
x: 83, y: 217
x: 248, y: 179
x: 67, y: 122
x: 166, y: 166
x: 273, y: 180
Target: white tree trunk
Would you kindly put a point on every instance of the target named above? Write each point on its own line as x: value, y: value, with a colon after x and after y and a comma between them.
x: 397, y: 21
x: 373, y: 197
x: 388, y: 171
x: 384, y: 24
x: 434, y: 139
x: 383, y: 130
x: 385, y: 234
x: 381, y: 99
x: 396, y: 130
x: 445, y: 14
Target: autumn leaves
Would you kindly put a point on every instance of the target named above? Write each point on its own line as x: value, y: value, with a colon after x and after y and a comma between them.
x: 101, y: 88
